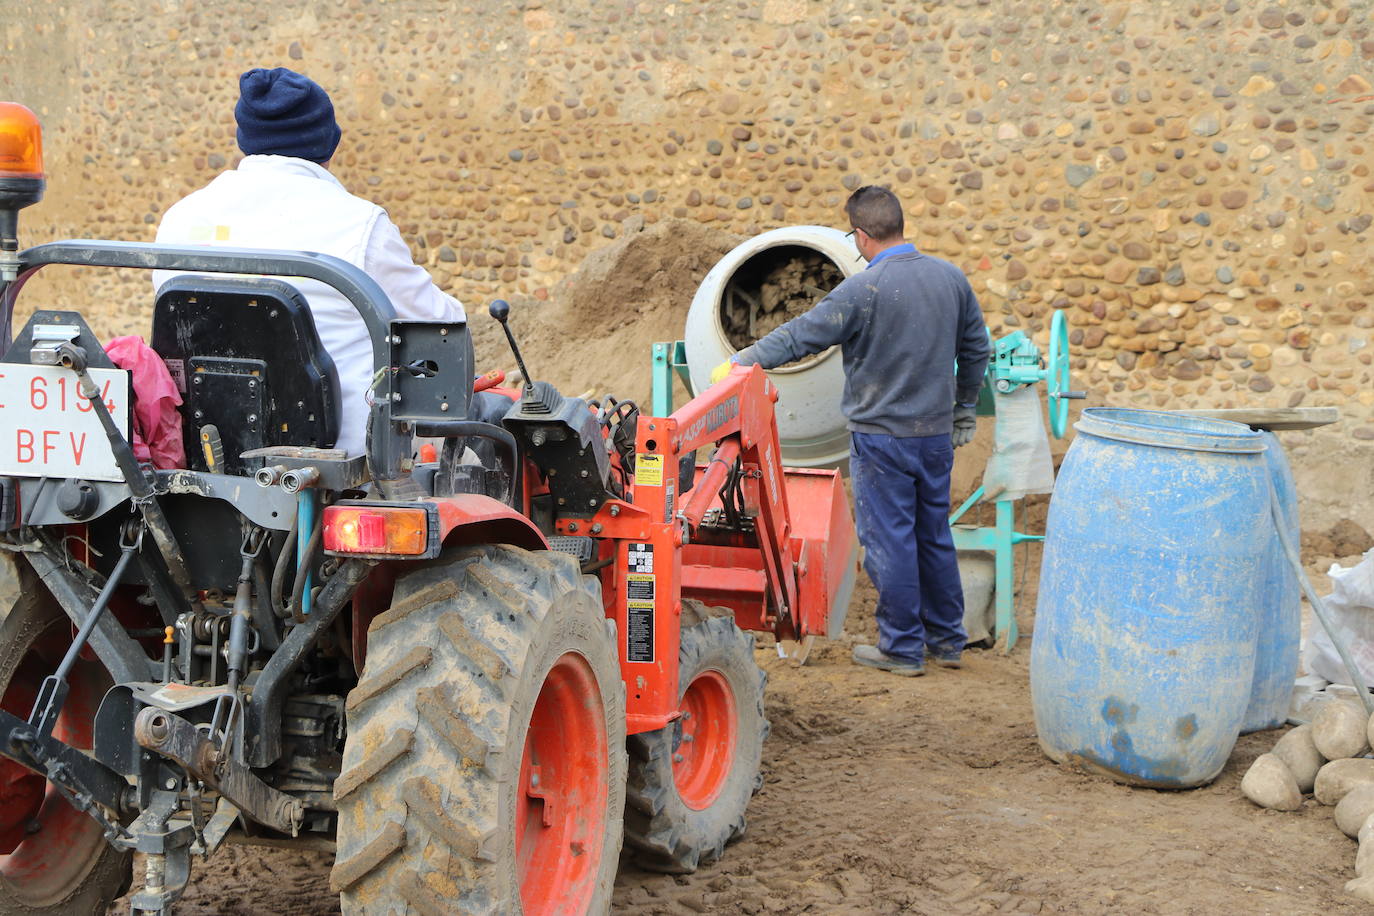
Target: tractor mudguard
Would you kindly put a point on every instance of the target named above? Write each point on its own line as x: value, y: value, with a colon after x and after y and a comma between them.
x: 470, y: 518
x: 464, y: 519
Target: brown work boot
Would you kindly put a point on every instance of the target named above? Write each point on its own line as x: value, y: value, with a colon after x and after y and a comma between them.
x: 873, y: 657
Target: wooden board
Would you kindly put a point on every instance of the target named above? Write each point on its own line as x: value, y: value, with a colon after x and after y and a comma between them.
x: 1272, y: 418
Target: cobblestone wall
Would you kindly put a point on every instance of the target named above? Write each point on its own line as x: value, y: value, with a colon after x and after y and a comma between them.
x: 1189, y: 179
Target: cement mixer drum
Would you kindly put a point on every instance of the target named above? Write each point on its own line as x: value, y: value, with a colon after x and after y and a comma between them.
x: 756, y: 287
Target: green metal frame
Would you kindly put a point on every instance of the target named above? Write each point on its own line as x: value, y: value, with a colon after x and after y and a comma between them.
x: 669, y: 357
x: 1001, y: 539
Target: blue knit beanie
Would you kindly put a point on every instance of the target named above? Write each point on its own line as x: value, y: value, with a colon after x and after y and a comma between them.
x: 282, y: 113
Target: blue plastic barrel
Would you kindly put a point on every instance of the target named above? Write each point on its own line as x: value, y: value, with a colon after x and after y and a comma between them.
x: 1143, y: 653
x: 1279, y: 612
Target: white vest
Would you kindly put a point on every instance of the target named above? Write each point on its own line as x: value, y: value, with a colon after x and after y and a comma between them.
x: 279, y: 202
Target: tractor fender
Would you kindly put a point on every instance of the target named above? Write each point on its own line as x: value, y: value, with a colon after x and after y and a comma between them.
x: 467, y: 518
x: 470, y: 518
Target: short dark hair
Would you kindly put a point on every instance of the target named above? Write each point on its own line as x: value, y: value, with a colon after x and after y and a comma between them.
x: 876, y: 211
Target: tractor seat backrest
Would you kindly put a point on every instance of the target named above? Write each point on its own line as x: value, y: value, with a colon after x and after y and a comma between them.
x: 246, y: 357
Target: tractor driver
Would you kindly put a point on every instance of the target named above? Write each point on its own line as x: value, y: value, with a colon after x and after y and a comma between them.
x: 282, y: 196
x: 900, y: 324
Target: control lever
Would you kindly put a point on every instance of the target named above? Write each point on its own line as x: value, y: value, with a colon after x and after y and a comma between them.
x: 500, y: 310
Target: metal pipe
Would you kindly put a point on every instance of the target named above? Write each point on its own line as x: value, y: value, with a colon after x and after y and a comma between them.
x: 300, y: 479
x: 288, y: 547
x: 300, y: 593
x: 305, y: 521
x: 84, y: 634
x: 167, y: 642
x: 706, y: 488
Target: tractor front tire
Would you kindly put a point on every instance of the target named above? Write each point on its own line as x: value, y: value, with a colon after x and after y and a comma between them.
x: 53, y: 858
x: 484, y: 768
x: 690, y: 782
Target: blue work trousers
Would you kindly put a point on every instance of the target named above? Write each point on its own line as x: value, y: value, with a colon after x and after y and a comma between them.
x: 901, y: 501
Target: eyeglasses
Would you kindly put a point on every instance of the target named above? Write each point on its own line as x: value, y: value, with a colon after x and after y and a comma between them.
x: 850, y: 234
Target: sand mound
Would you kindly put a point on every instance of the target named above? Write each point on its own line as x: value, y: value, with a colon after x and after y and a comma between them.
x: 597, y: 330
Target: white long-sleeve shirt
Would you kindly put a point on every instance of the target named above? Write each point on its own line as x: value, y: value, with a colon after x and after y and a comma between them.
x: 278, y: 202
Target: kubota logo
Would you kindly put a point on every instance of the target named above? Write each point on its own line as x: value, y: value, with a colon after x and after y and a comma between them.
x: 713, y: 419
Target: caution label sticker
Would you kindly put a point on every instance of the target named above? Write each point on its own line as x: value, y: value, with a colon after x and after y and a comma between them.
x: 640, y: 589
x: 649, y: 470
x: 639, y: 631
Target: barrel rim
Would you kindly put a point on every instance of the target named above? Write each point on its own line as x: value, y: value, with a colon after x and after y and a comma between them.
x: 1167, y: 429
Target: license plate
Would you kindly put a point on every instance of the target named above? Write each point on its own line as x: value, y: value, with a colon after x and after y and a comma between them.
x: 48, y: 429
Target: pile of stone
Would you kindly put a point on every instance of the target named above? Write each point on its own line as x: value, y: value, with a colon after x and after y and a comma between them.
x: 1327, y: 759
x: 751, y: 310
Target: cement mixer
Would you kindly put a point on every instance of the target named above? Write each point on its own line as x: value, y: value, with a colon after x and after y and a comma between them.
x: 753, y: 282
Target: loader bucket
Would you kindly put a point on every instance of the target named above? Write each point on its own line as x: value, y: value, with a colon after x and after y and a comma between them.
x: 828, y: 548
x: 827, y: 551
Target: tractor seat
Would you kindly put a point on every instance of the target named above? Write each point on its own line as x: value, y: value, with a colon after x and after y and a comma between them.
x: 247, y: 359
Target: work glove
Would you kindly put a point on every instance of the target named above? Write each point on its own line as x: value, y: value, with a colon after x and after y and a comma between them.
x: 965, y: 422
x: 721, y: 371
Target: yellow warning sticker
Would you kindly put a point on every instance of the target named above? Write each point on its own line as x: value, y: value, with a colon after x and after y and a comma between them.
x: 649, y: 470
x: 639, y: 587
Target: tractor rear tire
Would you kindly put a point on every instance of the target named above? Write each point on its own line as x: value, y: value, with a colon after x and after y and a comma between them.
x: 690, y: 782
x: 484, y: 768
x: 56, y: 859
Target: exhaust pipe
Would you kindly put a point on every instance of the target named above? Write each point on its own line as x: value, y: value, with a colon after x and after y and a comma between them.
x: 738, y: 302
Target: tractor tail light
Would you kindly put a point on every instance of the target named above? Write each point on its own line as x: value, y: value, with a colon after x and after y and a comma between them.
x: 377, y: 530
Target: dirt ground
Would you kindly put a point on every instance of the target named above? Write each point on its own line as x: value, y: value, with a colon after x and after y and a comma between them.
x: 892, y: 795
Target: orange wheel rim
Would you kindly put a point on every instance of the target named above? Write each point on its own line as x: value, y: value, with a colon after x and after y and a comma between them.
x: 45, y: 843
x: 560, y: 816
x: 704, y: 740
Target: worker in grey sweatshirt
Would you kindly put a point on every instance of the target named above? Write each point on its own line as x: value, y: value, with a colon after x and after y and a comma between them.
x: 901, y: 325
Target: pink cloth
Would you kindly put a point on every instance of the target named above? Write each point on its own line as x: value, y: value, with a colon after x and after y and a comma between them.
x: 157, y: 423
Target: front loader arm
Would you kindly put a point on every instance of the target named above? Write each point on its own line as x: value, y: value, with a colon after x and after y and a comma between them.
x: 658, y: 543
x: 737, y: 413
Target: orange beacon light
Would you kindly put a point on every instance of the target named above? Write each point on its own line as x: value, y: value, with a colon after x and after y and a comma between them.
x: 21, y: 178
x: 21, y: 142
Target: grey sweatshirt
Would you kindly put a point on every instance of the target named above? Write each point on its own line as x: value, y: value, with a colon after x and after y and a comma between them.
x: 901, y: 324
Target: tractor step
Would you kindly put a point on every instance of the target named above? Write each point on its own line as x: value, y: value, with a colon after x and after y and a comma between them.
x: 584, y: 549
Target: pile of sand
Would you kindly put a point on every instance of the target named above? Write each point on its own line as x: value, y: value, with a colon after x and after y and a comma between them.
x: 597, y: 330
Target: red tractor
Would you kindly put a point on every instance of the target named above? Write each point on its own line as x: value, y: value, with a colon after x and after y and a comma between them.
x: 472, y: 676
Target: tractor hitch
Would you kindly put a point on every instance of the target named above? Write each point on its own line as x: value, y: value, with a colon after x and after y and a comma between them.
x: 178, y: 740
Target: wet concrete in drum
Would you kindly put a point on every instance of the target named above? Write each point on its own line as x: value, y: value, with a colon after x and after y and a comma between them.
x: 930, y: 795
x: 775, y: 291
